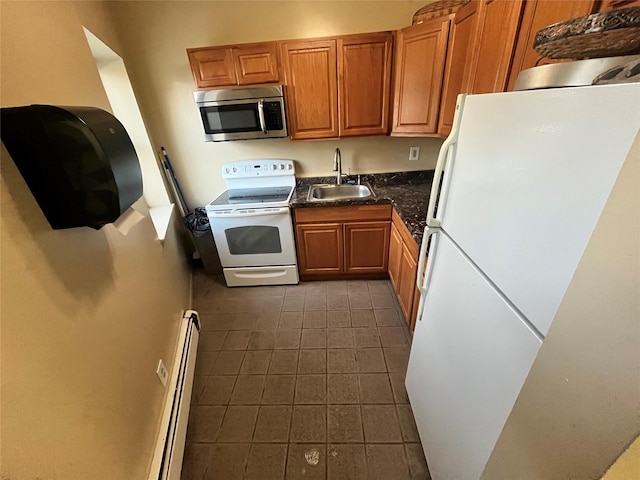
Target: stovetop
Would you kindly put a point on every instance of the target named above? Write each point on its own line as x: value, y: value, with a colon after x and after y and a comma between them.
x: 256, y: 196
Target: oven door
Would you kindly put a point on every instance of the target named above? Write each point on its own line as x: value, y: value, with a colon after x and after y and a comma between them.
x: 253, y: 237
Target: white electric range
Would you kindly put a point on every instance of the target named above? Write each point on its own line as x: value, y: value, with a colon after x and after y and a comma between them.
x: 251, y: 223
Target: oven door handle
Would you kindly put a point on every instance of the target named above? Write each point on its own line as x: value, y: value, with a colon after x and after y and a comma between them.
x: 254, y: 213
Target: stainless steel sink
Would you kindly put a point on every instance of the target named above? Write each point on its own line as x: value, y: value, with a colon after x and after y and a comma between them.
x: 333, y: 193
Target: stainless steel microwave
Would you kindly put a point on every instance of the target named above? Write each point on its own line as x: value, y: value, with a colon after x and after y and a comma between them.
x: 242, y: 113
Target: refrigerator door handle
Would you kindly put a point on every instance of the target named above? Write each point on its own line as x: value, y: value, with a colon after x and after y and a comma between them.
x: 423, y: 281
x: 441, y: 164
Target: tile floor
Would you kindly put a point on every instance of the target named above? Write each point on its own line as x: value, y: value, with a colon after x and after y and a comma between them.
x: 301, y: 382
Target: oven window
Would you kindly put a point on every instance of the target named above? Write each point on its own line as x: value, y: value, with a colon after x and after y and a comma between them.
x: 231, y: 118
x: 253, y: 240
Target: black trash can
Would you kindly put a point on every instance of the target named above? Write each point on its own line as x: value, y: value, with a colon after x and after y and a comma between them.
x: 198, y: 224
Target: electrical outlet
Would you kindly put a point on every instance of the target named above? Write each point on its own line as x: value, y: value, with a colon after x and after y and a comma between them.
x: 162, y: 373
x: 414, y: 153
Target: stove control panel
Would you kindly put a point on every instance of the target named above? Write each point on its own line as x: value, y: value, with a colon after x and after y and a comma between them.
x: 258, y: 168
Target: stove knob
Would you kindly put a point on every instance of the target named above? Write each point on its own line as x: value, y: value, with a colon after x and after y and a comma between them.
x: 289, y: 166
x: 282, y: 166
x: 274, y: 167
x: 235, y: 170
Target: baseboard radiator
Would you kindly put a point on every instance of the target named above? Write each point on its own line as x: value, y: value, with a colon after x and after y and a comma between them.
x: 167, y: 458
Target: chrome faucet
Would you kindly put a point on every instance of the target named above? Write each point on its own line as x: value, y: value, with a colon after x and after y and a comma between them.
x: 337, y: 166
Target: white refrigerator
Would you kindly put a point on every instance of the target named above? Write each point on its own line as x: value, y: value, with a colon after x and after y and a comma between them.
x: 519, y: 187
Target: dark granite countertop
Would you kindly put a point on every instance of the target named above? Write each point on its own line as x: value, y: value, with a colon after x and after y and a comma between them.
x: 408, y: 192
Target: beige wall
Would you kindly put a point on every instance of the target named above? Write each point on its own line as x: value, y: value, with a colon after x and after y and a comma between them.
x: 85, y: 314
x: 579, y: 408
x: 155, y: 38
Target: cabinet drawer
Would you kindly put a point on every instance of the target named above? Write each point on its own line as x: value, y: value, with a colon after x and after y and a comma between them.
x: 339, y: 214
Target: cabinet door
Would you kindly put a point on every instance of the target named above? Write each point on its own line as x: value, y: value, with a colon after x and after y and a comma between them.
x: 364, y: 78
x: 456, y: 76
x: 419, y: 70
x: 494, y: 43
x: 408, y: 271
x: 537, y: 15
x: 395, y: 253
x: 366, y: 246
x: 256, y: 63
x: 320, y: 248
x: 311, y: 88
x: 212, y: 67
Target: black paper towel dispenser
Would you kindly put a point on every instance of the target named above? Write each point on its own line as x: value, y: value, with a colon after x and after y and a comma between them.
x: 79, y: 162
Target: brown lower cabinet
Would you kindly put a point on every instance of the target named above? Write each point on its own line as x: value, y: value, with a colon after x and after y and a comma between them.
x: 403, y: 268
x: 343, y: 242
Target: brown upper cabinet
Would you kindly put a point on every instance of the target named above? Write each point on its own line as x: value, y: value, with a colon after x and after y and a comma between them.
x: 537, y: 15
x: 459, y: 55
x: 337, y: 87
x: 234, y: 65
x: 419, y: 71
x: 495, y: 37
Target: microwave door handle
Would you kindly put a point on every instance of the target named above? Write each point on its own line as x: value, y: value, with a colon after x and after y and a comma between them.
x: 263, y: 125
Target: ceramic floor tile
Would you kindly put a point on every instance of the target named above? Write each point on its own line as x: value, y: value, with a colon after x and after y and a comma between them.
x: 382, y: 300
x: 204, y: 423
x: 357, y: 287
x: 380, y: 424
x: 266, y: 462
x: 256, y: 362
x: 346, y: 462
x: 314, y: 319
x: 237, y: 340
x: 417, y: 462
x: 291, y: 368
x: 309, y: 424
x: 290, y: 320
x: 311, y: 389
x: 339, y: 338
x: 211, y: 341
x: 393, y: 336
x: 342, y: 388
x: 387, y: 317
x: 284, y: 361
x: 244, y: 321
x: 360, y: 302
x: 387, y: 462
x: 338, y: 318
x: 228, y: 363
x: 337, y: 302
x: 396, y: 359
x: 341, y: 360
x: 293, y: 304
x: 336, y: 287
x: 273, y: 424
x: 238, y: 423
x: 407, y: 423
x: 375, y: 388
x: 267, y: 320
x: 370, y: 360
x: 197, y: 457
x: 204, y: 362
x: 316, y: 302
x: 228, y: 461
x: 363, y: 318
x: 287, y: 339
x: 217, y: 390
x: 313, y: 338
x: 279, y: 390
x: 307, y: 462
x: 312, y: 361
x: 262, y: 340
x: 344, y: 424
x: 248, y: 390
x: 366, y: 337
x: 398, y: 388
